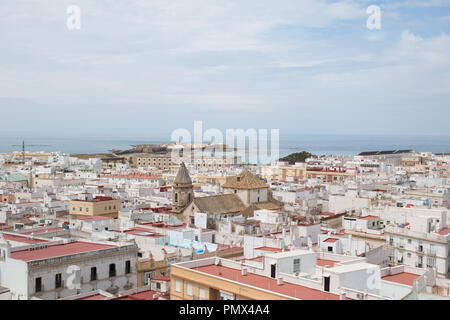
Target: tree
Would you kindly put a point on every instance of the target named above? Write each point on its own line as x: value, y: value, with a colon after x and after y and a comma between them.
x: 297, y: 157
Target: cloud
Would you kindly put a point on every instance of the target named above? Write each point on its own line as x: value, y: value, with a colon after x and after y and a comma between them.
x: 305, y: 66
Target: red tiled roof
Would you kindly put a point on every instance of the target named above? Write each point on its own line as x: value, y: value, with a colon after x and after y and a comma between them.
x: 402, y: 278
x: 97, y: 296
x: 444, y: 232
x: 94, y: 218
x: 144, y: 295
x: 23, y: 239
x: 161, y: 278
x: 325, y: 262
x: 368, y: 217
x: 97, y: 199
x: 44, y: 230
x: 141, y: 232
x: 59, y: 250
x: 271, y: 249
x: 134, y: 176
x: 266, y: 283
x: 331, y: 240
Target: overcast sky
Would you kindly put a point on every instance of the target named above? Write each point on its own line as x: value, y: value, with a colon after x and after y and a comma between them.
x: 141, y: 68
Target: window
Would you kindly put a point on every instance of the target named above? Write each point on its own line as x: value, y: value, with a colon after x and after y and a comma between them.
x: 202, y: 294
x: 38, y: 284
x: 330, y: 249
x: 147, y: 276
x: 127, y: 267
x: 58, y: 280
x: 178, y: 285
x: 112, y: 270
x: 189, y: 289
x: 93, y: 273
x: 431, y: 262
x: 158, y: 285
x: 176, y: 197
x: 296, y: 265
x: 87, y: 209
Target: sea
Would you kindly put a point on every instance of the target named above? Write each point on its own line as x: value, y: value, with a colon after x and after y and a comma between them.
x: 318, y: 144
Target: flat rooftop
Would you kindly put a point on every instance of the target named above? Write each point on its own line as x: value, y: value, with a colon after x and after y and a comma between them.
x: 143, y: 295
x: 97, y: 296
x: 353, y: 267
x: 22, y: 239
x: 59, y: 250
x: 266, y: 283
x: 326, y: 262
x: 402, y: 278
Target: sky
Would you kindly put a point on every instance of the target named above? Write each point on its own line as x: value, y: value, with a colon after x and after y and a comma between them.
x: 143, y: 68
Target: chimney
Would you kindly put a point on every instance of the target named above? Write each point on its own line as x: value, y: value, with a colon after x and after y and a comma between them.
x: 244, y: 271
x: 279, y: 281
x: 342, y: 296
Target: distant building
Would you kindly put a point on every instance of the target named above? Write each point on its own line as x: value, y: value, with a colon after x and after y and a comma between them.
x: 94, y: 206
x: 113, y: 163
x: 155, y: 160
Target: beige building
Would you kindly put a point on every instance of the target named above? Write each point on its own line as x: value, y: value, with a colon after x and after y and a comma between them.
x: 330, y: 176
x: 160, y: 161
x: 98, y: 206
x: 112, y: 163
x: 283, y: 172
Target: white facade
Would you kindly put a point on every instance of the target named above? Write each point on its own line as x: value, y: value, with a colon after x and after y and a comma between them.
x: 22, y: 277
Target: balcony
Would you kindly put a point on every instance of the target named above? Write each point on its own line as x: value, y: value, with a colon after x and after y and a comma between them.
x: 431, y: 252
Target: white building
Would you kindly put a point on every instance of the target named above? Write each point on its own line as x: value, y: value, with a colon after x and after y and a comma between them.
x: 58, y: 269
x: 422, y: 243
